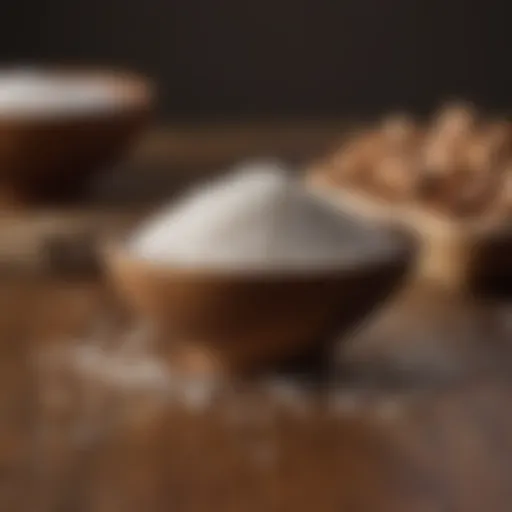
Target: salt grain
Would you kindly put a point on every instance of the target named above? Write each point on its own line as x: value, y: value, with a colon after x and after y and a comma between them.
x: 121, y: 371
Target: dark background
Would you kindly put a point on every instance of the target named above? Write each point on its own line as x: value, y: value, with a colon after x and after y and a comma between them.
x: 278, y: 58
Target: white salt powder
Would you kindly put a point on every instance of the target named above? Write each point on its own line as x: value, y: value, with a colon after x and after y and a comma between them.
x: 257, y: 217
x: 36, y: 93
x: 124, y: 371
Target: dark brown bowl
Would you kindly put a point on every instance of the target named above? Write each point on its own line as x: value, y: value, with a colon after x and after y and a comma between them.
x: 235, y: 321
x: 43, y: 157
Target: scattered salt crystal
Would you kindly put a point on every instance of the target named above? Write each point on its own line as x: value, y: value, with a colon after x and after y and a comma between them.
x: 121, y: 370
x: 136, y: 340
x: 142, y: 373
x: 258, y: 217
x: 197, y: 394
x: 87, y: 357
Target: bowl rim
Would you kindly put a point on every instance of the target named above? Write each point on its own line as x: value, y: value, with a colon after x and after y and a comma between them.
x: 138, y: 93
x: 401, y: 252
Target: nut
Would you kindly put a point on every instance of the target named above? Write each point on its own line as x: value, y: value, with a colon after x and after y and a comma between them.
x: 488, y: 148
x: 458, y: 165
x: 455, y: 121
x: 399, y: 132
x: 396, y: 177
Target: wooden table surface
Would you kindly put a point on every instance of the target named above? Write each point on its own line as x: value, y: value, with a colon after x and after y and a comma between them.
x: 87, y: 447
x: 70, y: 443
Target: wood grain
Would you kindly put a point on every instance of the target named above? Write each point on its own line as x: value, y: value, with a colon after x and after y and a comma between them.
x: 67, y: 447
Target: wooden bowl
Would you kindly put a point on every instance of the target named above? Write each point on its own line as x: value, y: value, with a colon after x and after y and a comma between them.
x: 235, y: 321
x: 52, y: 156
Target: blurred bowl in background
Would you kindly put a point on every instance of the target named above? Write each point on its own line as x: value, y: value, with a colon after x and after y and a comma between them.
x: 232, y: 322
x: 50, y: 151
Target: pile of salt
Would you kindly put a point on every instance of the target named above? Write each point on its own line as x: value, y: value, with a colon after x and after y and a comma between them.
x: 257, y: 217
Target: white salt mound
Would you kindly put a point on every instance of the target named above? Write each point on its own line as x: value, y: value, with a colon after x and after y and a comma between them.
x: 256, y: 217
x: 36, y: 93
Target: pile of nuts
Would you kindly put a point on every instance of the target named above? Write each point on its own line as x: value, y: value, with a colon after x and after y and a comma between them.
x: 459, y: 164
